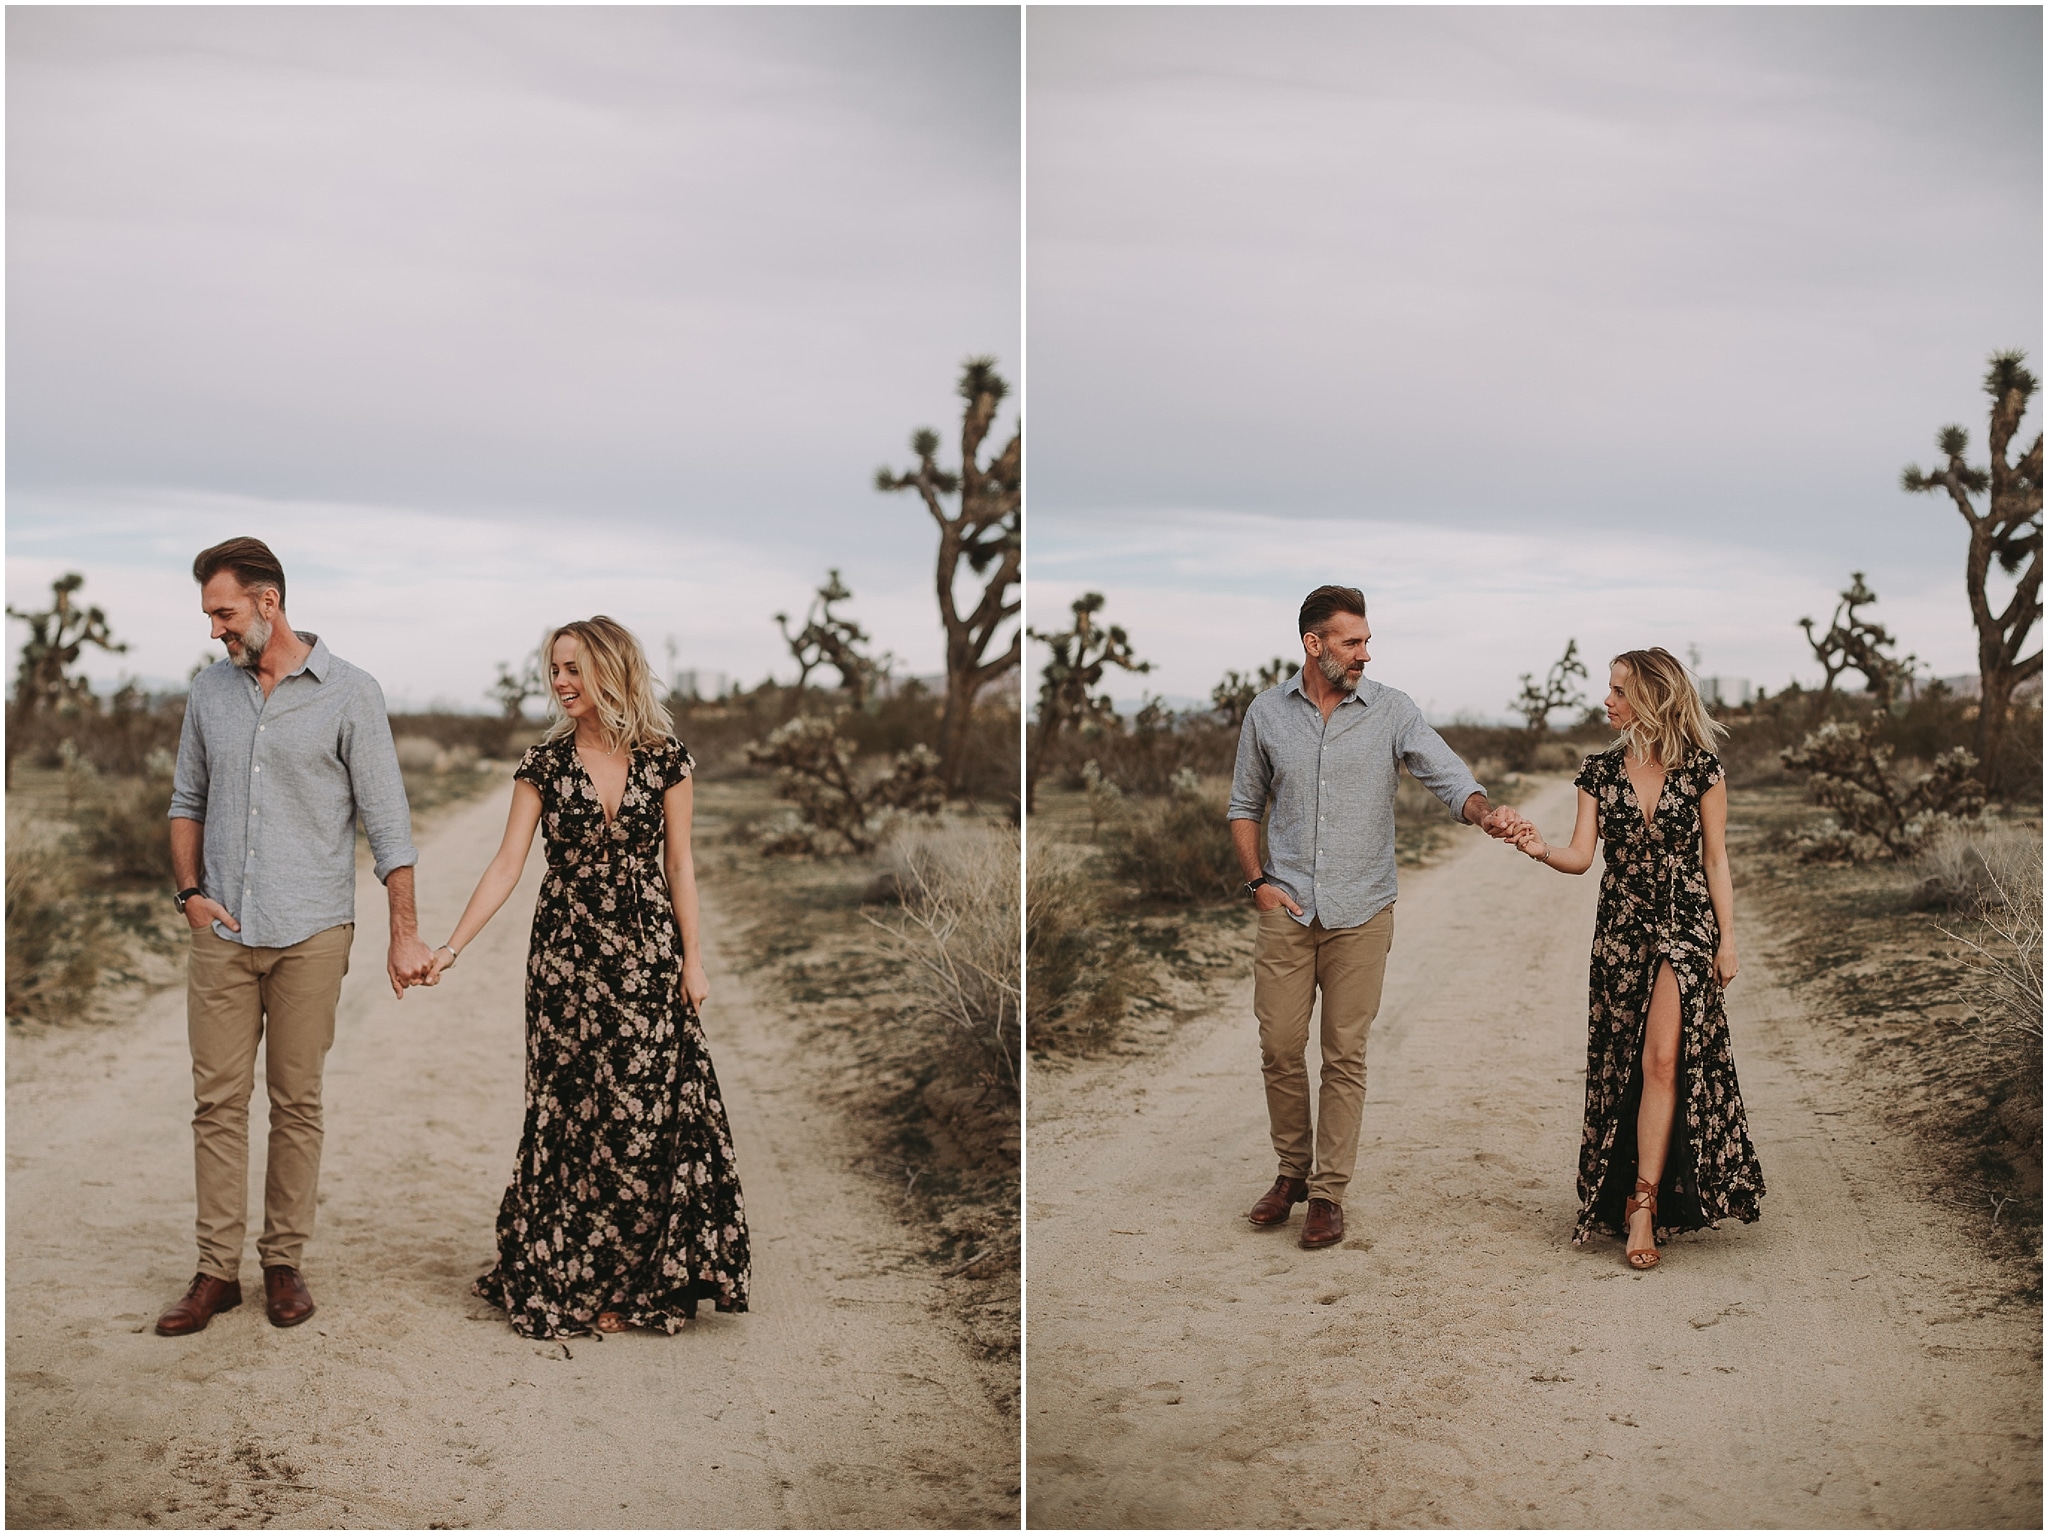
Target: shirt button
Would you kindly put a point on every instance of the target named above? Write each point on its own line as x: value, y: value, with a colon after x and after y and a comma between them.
x: 257, y: 769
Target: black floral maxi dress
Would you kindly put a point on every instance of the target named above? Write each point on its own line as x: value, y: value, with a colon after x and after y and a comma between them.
x: 1655, y: 906
x: 624, y: 1198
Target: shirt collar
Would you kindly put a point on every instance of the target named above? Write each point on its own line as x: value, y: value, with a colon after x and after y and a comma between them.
x: 319, y: 662
x: 1363, y: 695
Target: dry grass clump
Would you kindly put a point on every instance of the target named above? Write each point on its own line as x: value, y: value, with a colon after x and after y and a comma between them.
x: 1992, y: 878
x: 955, y: 934
x: 1081, y: 968
x: 57, y: 945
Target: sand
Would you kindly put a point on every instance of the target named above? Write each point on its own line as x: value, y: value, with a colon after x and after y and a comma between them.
x: 846, y: 1397
x: 1852, y: 1359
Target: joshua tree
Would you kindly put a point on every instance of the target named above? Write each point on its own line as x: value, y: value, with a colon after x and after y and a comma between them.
x: 986, y: 533
x: 511, y: 690
x: 1854, y: 643
x: 1067, y: 696
x: 828, y: 639
x: 55, y: 638
x: 1537, y: 704
x: 2007, y: 530
x: 1234, y: 694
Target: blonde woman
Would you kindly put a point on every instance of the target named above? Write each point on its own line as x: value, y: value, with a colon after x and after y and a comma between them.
x: 624, y: 1209
x: 1666, y: 1145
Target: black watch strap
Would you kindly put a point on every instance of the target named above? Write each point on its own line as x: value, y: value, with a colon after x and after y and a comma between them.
x: 185, y: 895
x: 1251, y: 886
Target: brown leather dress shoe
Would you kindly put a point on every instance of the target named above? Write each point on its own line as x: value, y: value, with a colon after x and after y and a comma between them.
x: 205, y: 1296
x: 1278, y: 1202
x: 1325, y: 1224
x: 286, y: 1297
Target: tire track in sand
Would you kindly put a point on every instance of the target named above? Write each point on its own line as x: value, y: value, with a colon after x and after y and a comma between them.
x: 1456, y: 1362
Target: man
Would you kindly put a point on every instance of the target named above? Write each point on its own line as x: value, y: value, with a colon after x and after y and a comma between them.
x: 284, y: 747
x: 1325, y: 749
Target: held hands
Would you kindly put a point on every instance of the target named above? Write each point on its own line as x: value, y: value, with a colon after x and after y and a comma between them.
x: 1532, y: 843
x: 409, y: 963
x: 1504, y: 823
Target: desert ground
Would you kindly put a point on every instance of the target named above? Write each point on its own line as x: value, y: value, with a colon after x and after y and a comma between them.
x: 847, y: 1397
x: 1856, y: 1358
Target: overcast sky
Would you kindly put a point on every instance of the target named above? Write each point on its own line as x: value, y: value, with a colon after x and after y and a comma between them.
x: 488, y: 318
x: 1612, y: 323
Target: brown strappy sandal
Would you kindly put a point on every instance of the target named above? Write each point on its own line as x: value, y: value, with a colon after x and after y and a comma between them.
x: 1645, y: 1197
x: 610, y: 1321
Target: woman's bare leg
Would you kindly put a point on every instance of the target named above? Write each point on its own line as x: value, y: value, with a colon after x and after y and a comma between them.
x: 1659, y: 1098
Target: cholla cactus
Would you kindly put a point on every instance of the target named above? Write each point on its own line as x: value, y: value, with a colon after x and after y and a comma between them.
x: 837, y: 811
x: 1877, y: 816
x: 1104, y: 795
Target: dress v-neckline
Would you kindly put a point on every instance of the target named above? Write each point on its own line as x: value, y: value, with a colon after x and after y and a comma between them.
x: 1649, y: 816
x: 611, y: 817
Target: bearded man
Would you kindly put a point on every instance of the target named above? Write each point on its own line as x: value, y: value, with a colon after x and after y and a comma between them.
x: 284, y: 748
x: 1325, y: 749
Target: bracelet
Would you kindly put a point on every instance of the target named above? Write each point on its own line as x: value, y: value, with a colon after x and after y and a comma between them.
x: 455, y: 952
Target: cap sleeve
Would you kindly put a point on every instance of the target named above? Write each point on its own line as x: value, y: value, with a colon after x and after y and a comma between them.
x: 531, y: 767
x: 1589, y: 774
x: 676, y: 764
x: 1709, y: 770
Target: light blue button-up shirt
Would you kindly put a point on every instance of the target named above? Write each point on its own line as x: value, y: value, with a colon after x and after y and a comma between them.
x: 279, y: 784
x: 1331, y: 784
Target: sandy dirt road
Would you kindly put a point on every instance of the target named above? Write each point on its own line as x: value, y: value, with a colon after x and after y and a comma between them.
x: 1844, y: 1362
x: 842, y: 1399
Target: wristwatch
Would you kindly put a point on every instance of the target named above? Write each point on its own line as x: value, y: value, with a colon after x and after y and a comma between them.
x: 1251, y: 886
x: 185, y: 895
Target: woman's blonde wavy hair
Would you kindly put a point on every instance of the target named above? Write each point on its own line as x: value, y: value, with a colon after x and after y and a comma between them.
x: 616, y: 677
x: 1671, y: 722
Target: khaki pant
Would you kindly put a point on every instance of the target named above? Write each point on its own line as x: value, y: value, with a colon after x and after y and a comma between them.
x: 1289, y: 964
x: 235, y: 995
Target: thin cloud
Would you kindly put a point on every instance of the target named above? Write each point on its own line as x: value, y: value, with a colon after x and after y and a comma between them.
x: 668, y: 282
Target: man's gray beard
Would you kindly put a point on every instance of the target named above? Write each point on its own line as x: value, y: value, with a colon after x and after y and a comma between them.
x: 1335, y: 673
x: 254, y: 640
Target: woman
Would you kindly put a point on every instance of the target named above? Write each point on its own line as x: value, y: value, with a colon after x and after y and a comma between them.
x: 624, y: 1209
x: 1663, y: 951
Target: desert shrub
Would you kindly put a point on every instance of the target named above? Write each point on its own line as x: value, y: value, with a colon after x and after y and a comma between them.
x: 1081, y: 968
x: 416, y: 754
x: 1878, y: 813
x: 116, y: 734
x: 839, y: 807
x: 1177, y: 848
x: 464, y: 738
x: 955, y: 934
x: 57, y: 944
x: 1141, y: 754
x: 719, y: 731
x: 123, y: 824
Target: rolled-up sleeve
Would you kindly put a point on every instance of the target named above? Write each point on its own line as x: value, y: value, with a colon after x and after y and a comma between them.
x: 1430, y: 759
x: 378, y: 786
x: 189, y: 784
x: 1251, y: 783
